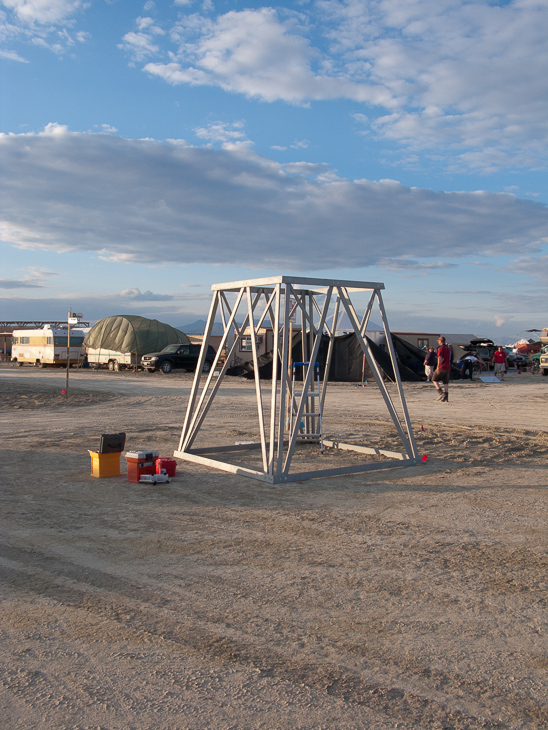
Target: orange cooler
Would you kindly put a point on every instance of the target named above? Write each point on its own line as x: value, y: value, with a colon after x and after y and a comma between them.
x: 140, y: 463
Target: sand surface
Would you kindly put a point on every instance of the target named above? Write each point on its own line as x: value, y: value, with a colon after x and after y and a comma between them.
x: 406, y: 598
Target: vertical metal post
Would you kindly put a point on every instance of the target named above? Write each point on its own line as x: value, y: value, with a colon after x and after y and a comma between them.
x: 350, y: 311
x: 286, y: 347
x: 367, y: 314
x: 275, y: 365
x: 332, y: 335
x: 397, y: 377
x: 306, y: 384
x: 198, y: 371
x: 69, y: 317
x: 251, y: 315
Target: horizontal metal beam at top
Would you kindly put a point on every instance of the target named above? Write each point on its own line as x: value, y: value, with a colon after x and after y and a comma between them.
x: 38, y: 324
x: 296, y: 281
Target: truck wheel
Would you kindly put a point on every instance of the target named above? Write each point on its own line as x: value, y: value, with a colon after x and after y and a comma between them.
x: 166, y: 367
x: 207, y: 367
x: 116, y: 366
x: 544, y: 371
x: 38, y: 364
x: 111, y: 365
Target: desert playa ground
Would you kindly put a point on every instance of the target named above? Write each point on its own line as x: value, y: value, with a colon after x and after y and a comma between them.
x: 405, y: 598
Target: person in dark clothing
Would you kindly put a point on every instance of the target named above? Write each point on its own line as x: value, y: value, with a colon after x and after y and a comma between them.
x: 468, y: 363
x: 430, y: 364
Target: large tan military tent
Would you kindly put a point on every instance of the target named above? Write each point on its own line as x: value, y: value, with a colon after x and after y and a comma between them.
x: 124, y: 338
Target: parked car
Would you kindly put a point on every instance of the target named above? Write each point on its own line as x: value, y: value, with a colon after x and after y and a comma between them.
x: 483, y: 348
x: 177, y: 357
x: 540, y: 360
x: 519, y: 360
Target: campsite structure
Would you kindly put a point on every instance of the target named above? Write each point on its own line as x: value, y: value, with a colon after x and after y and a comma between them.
x: 290, y: 417
x: 121, y: 340
x: 47, y: 346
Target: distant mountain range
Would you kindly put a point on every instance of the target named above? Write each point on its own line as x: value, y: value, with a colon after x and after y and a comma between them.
x: 198, y: 328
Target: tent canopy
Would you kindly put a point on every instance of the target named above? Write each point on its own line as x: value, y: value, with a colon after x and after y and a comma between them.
x: 131, y: 333
x: 348, y: 363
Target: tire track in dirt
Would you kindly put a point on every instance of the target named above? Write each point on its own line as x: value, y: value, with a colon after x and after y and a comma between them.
x: 146, y: 615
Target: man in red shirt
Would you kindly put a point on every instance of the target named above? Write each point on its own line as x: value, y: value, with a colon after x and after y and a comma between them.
x: 500, y: 361
x: 443, y: 370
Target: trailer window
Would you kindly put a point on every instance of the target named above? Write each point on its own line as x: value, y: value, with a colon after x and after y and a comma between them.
x: 246, y: 345
x: 23, y: 341
x: 74, y: 341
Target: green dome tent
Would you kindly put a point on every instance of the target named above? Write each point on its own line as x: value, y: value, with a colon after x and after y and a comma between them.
x: 125, y: 338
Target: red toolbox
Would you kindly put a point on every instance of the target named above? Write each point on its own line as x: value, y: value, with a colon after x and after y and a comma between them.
x: 170, y: 465
x: 139, y: 463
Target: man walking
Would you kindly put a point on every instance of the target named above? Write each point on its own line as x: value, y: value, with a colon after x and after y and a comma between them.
x: 443, y: 370
x: 500, y: 362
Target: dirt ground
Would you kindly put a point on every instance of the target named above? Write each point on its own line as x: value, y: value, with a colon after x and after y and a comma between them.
x: 404, y: 598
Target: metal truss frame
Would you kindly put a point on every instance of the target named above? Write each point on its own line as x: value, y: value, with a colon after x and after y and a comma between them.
x: 280, y: 299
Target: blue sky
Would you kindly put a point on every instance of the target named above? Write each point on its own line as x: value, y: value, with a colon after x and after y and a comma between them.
x: 150, y: 150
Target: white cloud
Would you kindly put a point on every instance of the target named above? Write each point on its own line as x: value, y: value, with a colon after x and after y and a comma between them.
x: 139, y: 45
x: 501, y: 320
x: 409, y: 264
x: 45, y: 23
x: 535, y: 266
x: 24, y: 283
x: 468, y: 74
x: 35, y: 279
x: 468, y: 78
x: 143, y: 43
x: 137, y: 295
x: 44, y: 11
x: 30, y: 307
x: 147, y: 201
x: 12, y: 56
x: 106, y: 128
x: 228, y: 135
x: 253, y: 53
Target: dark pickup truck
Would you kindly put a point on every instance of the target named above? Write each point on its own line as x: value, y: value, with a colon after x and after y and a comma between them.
x: 182, y: 357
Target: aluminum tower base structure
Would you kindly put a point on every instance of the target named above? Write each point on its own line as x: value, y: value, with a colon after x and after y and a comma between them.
x: 279, y: 301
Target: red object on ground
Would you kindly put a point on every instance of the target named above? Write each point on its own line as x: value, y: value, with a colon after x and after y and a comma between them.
x: 424, y: 457
x: 140, y: 463
x: 170, y: 465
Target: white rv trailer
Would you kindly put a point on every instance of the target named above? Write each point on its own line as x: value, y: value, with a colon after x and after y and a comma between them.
x: 47, y: 346
x: 111, y: 359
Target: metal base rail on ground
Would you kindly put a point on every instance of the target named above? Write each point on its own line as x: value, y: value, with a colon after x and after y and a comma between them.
x: 278, y: 300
